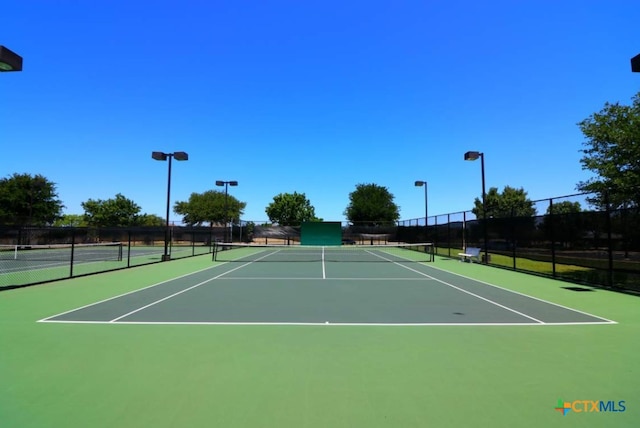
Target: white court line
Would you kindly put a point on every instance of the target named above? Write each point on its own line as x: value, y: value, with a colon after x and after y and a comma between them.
x: 424, y: 278
x: 461, y: 289
x: 339, y: 324
x: 190, y: 288
x: 431, y: 266
x: 308, y: 278
x: 128, y: 292
x: 526, y: 295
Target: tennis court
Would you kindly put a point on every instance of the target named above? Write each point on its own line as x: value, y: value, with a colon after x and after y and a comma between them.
x: 307, y: 285
x: 290, y: 337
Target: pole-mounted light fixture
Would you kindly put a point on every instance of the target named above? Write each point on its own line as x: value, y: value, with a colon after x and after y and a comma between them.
x: 226, y: 185
x: 161, y: 156
x: 9, y: 60
x: 635, y: 64
x: 420, y: 183
x: 471, y: 156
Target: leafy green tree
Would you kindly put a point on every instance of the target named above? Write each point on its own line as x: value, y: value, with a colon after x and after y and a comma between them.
x: 150, y: 220
x: 511, y: 202
x: 372, y: 204
x: 509, y: 216
x: 70, y: 220
x: 290, y: 209
x: 612, y: 150
x: 563, y: 223
x: 209, y: 207
x: 28, y: 200
x: 565, y: 207
x: 118, y: 211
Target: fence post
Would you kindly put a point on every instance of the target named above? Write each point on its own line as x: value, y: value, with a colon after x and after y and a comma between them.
x: 609, y: 240
x: 552, y: 218
x: 449, y: 233
x: 513, y: 238
x: 435, y: 234
x: 464, y: 230
x: 73, y: 243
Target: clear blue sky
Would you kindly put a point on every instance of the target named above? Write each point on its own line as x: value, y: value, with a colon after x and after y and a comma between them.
x: 309, y: 96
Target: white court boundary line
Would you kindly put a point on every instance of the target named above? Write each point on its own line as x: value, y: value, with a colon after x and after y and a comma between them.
x: 47, y: 319
x: 179, y: 292
x: 608, y: 321
x: 310, y: 278
x: 424, y: 275
x: 327, y: 324
x: 190, y: 288
x: 461, y: 289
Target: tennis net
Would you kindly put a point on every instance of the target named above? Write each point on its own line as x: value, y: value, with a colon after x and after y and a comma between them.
x: 227, y: 252
x: 108, y: 251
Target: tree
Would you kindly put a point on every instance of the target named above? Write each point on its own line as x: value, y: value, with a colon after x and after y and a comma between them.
x: 290, y: 209
x: 373, y: 204
x: 510, y: 216
x: 70, y: 220
x: 150, y: 220
x: 209, y: 207
x: 611, y: 152
x: 28, y: 200
x: 562, y: 222
x: 111, y: 212
x: 510, y: 203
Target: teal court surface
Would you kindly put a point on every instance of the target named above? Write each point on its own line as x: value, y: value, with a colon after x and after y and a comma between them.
x: 378, y: 286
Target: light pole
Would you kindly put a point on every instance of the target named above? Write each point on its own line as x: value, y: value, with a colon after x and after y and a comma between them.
x: 471, y: 156
x: 226, y: 185
x: 9, y: 61
x: 420, y: 183
x: 160, y: 156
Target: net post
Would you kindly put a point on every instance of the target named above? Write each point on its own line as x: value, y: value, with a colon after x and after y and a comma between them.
x: 129, y: 249
x: 73, y: 243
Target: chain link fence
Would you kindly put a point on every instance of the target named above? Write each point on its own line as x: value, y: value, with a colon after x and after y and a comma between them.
x: 599, y: 247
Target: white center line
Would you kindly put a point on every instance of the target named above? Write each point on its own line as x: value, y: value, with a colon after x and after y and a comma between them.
x: 324, y: 272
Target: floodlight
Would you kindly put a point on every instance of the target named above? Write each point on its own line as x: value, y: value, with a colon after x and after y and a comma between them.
x: 159, y: 156
x: 635, y: 64
x: 471, y: 156
x: 9, y: 60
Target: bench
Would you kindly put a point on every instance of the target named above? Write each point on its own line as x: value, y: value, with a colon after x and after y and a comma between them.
x: 469, y: 254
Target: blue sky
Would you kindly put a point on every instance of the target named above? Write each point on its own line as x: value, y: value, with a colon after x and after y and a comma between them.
x: 309, y: 96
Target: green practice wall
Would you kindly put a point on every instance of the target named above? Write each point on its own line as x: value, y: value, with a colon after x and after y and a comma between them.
x: 321, y: 233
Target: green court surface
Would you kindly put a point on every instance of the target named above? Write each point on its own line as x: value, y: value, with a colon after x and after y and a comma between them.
x: 317, y: 343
